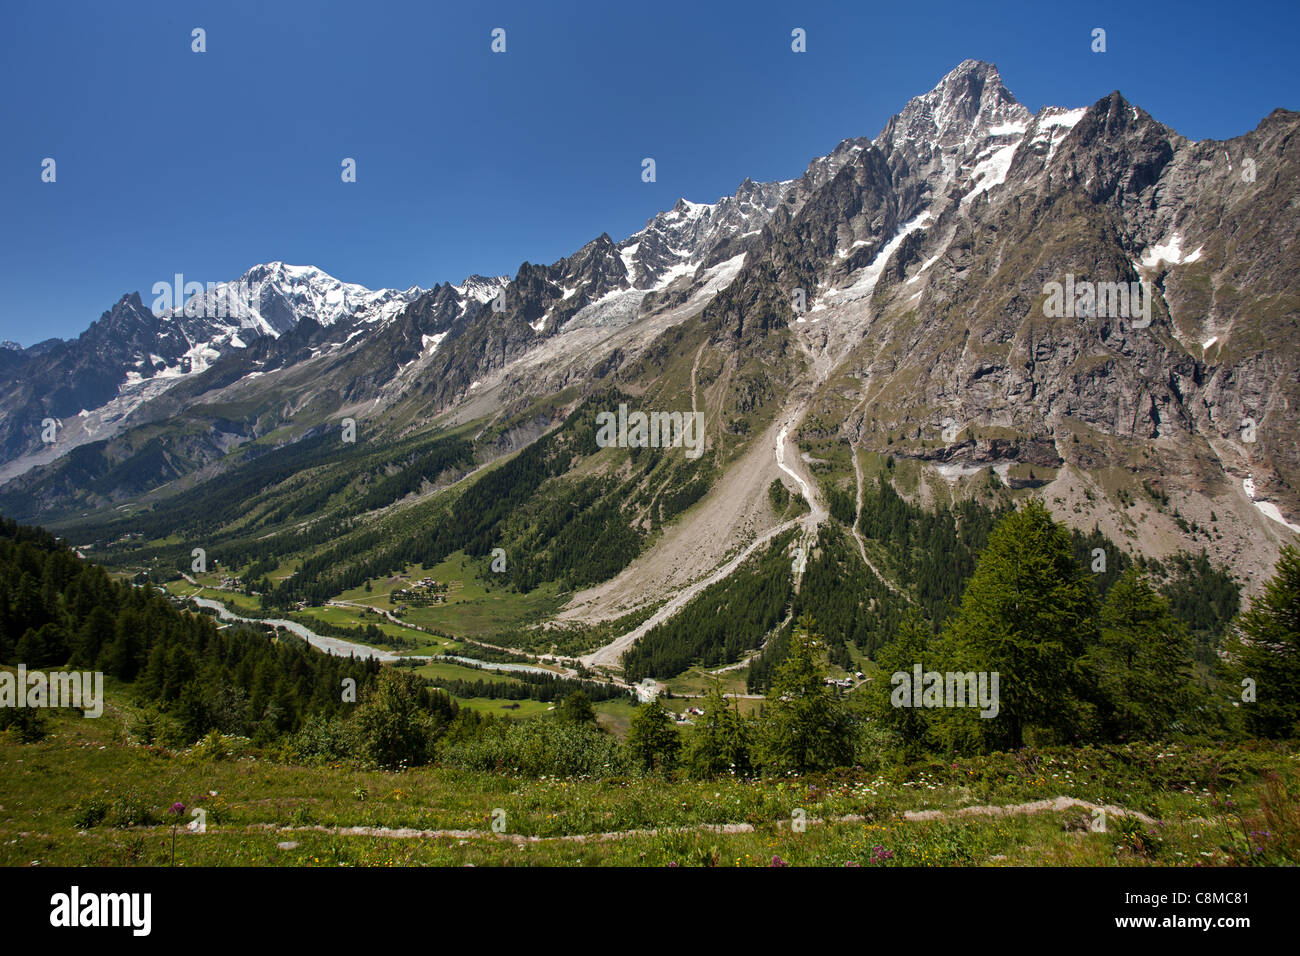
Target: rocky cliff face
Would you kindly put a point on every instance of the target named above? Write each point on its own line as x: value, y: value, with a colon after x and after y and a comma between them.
x: 904, y: 281
x: 962, y: 362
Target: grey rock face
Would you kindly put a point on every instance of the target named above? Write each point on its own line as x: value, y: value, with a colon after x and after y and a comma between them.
x: 930, y: 249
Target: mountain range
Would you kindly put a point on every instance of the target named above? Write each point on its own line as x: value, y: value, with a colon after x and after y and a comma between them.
x: 882, y: 316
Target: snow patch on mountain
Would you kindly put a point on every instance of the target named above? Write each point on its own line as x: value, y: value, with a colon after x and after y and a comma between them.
x: 1170, y: 250
x: 1271, y: 511
x: 926, y: 265
x: 272, y: 298
x: 870, y: 275
x: 991, y: 169
x: 481, y: 289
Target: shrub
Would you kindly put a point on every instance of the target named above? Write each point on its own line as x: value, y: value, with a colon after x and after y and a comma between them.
x: 131, y: 810
x: 323, y: 739
x: 89, y: 813
x: 28, y: 724
x: 395, y: 729
x: 541, y: 746
x: 219, y: 746
x: 1131, y: 834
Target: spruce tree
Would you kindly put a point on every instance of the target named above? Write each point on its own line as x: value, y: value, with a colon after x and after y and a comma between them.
x: 395, y: 731
x: 721, y: 742
x: 575, y: 708
x: 805, y: 725
x: 652, y: 739
x: 910, y: 646
x: 1141, y: 662
x: 1029, y: 614
x: 1268, y: 653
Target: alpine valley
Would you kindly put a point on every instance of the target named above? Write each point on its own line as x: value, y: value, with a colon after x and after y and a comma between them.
x: 868, y: 351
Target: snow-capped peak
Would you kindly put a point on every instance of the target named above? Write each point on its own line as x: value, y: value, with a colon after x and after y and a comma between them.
x: 481, y: 288
x: 675, y: 242
x: 272, y: 298
x: 965, y: 108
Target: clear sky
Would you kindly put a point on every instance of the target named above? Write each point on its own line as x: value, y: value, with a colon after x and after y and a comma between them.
x: 468, y: 161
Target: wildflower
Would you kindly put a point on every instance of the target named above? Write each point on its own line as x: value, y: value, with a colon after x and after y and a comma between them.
x: 176, y: 810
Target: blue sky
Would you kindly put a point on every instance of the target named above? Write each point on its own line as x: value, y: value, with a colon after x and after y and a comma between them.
x: 467, y: 161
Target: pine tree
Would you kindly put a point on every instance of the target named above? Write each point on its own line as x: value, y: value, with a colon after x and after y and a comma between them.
x: 1141, y: 661
x: 722, y: 739
x: 94, y: 633
x: 805, y: 725
x: 911, y: 646
x: 1268, y: 652
x: 576, y: 708
x: 29, y: 610
x: 1029, y: 613
x: 395, y: 730
x: 652, y: 739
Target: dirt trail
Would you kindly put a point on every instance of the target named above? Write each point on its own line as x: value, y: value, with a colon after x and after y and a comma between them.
x: 857, y: 515
x: 857, y: 506
x: 734, y: 510
x: 694, y: 370
x: 1054, y: 805
x: 753, y: 655
x: 367, y: 607
x: 818, y: 513
x: 730, y: 517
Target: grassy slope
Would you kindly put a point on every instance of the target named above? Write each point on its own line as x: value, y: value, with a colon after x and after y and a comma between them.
x: 250, y: 800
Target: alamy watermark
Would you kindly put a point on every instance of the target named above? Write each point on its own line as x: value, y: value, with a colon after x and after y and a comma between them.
x: 651, y: 430
x: 234, y: 300
x: 1111, y: 300
x: 922, y: 688
x: 83, y: 690
x: 127, y: 910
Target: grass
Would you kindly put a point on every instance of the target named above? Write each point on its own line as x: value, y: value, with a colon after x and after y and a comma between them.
x: 615, y: 715
x: 242, y: 604
x: 355, y: 617
x: 506, y: 708
x: 449, y: 670
x: 237, y: 601
x: 498, y: 706
x: 85, y: 795
x: 698, y: 681
x: 476, y: 609
x: 381, y: 589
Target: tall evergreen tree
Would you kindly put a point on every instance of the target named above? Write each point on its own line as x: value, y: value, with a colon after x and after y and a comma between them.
x: 911, y: 646
x: 576, y: 709
x: 396, y: 731
x: 805, y: 725
x: 652, y: 739
x: 721, y: 741
x: 1268, y: 652
x: 1141, y: 661
x: 91, y: 637
x: 1029, y: 613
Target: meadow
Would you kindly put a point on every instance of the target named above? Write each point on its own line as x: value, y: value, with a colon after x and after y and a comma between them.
x: 87, y: 794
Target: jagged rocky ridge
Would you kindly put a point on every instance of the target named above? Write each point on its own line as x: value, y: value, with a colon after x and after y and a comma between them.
x: 922, y: 255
